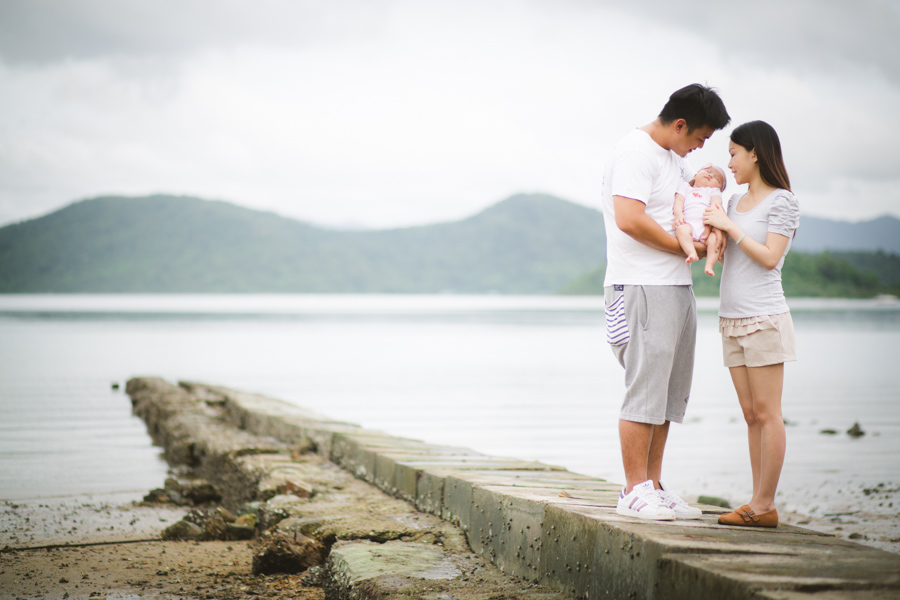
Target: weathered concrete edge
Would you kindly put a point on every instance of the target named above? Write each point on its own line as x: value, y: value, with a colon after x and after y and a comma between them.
x: 512, y: 514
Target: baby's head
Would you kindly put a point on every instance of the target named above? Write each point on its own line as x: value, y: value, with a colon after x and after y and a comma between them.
x: 710, y: 176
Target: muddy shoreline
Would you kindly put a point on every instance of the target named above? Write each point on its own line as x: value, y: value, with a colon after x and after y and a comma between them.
x: 111, y: 546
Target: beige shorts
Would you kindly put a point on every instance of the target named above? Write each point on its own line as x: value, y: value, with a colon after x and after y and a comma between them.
x: 758, y: 341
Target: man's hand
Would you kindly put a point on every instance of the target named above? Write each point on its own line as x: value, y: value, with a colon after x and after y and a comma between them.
x: 633, y: 220
x: 700, y: 248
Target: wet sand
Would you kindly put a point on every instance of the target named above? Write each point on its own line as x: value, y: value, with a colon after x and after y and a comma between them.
x: 863, y: 527
x: 92, y: 547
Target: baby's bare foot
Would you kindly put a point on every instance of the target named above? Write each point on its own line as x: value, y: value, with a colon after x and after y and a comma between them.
x: 692, y: 258
x: 709, y: 271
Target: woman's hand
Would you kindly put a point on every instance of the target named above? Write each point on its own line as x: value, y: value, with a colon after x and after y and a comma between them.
x: 715, y: 216
x: 723, y: 243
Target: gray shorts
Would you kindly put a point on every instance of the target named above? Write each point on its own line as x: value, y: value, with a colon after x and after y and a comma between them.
x: 652, y: 331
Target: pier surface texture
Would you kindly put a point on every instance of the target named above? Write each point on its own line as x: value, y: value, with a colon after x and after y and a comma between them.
x: 440, y: 512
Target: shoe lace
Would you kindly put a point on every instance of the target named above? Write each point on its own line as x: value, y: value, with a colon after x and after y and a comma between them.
x: 651, y: 498
x: 671, y: 498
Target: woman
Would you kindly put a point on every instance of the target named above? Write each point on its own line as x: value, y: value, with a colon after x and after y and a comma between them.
x: 756, y: 326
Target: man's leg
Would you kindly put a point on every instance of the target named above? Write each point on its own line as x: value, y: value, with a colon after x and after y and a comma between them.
x: 636, y: 441
x: 657, y: 448
x: 678, y: 392
x: 643, y: 446
x: 660, y: 345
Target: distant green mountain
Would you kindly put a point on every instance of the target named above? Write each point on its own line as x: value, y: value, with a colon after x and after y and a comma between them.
x: 821, y: 235
x: 526, y: 244
x: 886, y: 267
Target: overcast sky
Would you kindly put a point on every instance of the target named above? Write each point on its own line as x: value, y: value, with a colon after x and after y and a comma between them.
x: 384, y: 113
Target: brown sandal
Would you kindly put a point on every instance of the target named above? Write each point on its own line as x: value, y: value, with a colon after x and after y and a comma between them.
x: 745, y: 517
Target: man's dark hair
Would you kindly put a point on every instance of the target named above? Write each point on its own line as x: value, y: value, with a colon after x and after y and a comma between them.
x: 697, y: 104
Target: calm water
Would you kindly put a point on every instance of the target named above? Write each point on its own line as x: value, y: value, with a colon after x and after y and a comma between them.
x: 528, y: 377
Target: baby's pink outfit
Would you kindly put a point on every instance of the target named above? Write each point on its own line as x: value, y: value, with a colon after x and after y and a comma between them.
x: 696, y: 201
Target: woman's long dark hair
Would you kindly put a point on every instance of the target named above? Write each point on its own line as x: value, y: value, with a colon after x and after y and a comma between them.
x: 761, y: 137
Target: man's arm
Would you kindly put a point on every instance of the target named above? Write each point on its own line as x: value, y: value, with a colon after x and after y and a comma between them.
x: 632, y: 219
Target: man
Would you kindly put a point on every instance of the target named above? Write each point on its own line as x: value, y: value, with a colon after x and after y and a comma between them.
x: 650, y: 310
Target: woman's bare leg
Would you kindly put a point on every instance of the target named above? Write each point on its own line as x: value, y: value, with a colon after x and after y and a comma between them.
x: 766, y: 385
x: 741, y: 381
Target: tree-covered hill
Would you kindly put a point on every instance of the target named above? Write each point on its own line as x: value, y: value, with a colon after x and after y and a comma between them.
x: 821, y: 235
x: 525, y: 244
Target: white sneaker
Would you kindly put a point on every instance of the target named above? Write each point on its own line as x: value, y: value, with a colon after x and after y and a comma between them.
x: 644, y: 503
x: 682, y: 509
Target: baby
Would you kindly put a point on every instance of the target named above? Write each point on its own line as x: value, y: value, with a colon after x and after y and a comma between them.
x: 691, y: 199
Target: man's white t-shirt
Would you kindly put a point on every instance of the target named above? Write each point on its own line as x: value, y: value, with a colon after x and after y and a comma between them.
x: 641, y: 169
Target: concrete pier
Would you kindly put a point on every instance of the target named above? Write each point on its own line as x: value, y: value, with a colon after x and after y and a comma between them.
x: 507, y: 511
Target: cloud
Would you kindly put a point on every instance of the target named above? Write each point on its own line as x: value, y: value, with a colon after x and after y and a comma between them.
x: 47, y: 31
x: 402, y: 112
x: 806, y: 36
x: 818, y: 35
